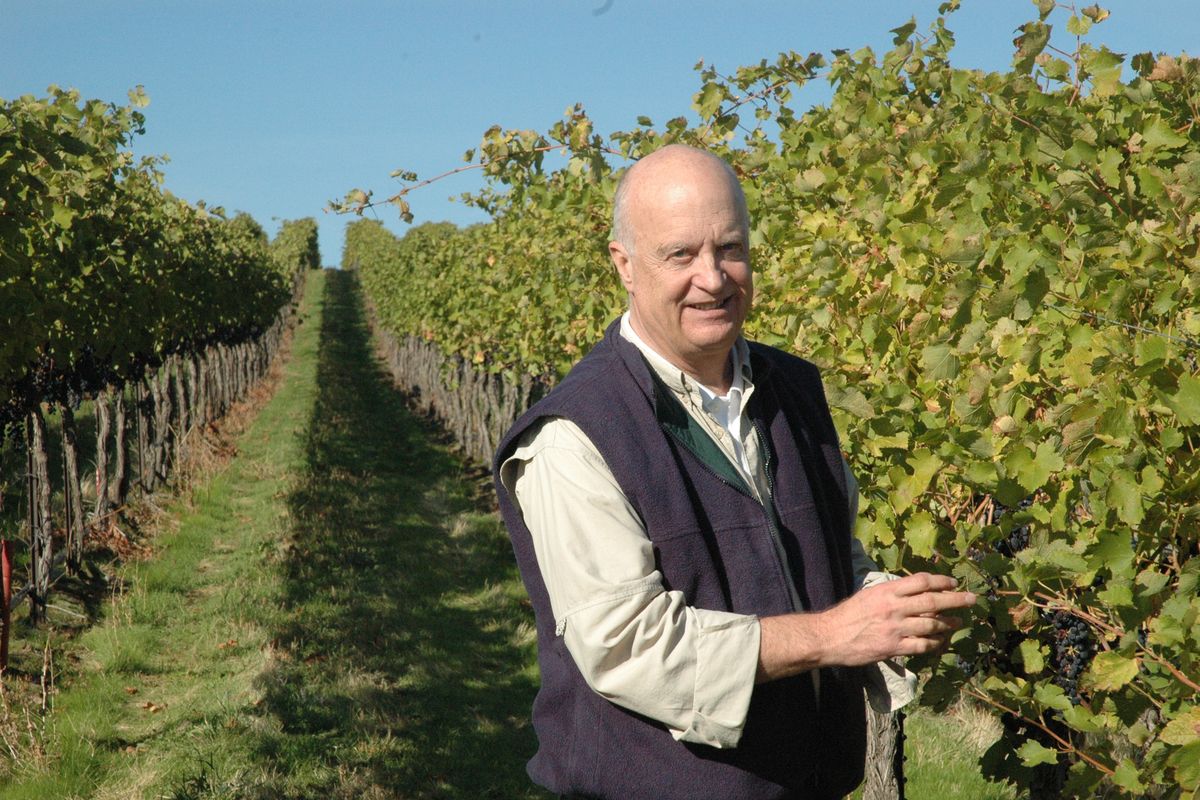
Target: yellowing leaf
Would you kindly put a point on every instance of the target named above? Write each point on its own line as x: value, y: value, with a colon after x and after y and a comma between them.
x: 1184, y: 728
x: 1110, y: 671
x: 908, y: 486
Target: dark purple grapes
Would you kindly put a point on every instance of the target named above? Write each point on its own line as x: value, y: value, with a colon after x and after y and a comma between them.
x: 1073, y: 647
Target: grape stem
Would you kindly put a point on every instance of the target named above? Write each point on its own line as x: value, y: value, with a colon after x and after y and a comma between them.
x: 1063, y: 744
x: 359, y: 207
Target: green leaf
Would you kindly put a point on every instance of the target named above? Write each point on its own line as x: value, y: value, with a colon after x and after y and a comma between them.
x: 940, y: 362
x: 1051, y: 696
x: 850, y: 400
x: 904, y: 31
x: 63, y: 216
x: 920, y: 534
x: 1032, y: 753
x: 1110, y: 671
x: 1126, y: 776
x: 1055, y: 553
x: 1113, y: 551
x: 1125, y: 496
x: 1080, y: 718
x: 1116, y: 594
x: 1109, y: 165
x: 708, y: 100
x: 1047, y: 461
x: 1032, y: 656
x: 1186, y: 401
x: 923, y: 464
x: 1186, y: 763
x: 1079, y: 26
x: 1032, y: 41
x: 1159, y: 135
x: 1152, y: 582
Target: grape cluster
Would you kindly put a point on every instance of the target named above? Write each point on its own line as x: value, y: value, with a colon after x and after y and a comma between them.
x: 1073, y: 649
x: 996, y: 658
x: 1018, y: 538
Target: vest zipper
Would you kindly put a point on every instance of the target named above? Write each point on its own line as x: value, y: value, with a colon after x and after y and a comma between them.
x: 776, y: 539
x: 765, y: 446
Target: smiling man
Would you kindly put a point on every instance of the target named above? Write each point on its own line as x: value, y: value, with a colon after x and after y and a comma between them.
x: 681, y: 515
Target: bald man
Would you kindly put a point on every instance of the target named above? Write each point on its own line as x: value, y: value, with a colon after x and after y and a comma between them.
x: 681, y: 515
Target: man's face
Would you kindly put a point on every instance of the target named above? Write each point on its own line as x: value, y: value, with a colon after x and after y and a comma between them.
x: 688, y: 278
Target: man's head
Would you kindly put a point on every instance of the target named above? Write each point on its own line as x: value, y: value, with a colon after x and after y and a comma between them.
x: 681, y: 246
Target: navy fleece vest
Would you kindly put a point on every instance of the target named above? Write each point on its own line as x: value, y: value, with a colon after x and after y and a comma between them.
x: 713, y: 542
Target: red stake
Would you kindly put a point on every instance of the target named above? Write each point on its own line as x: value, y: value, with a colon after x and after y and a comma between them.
x: 6, y: 552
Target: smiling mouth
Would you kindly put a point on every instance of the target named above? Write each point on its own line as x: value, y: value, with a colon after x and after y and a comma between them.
x: 710, y: 306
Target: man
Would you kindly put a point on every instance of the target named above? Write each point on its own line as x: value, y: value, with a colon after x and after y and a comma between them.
x: 681, y: 515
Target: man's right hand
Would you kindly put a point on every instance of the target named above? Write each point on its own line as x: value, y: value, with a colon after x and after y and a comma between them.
x: 897, y: 618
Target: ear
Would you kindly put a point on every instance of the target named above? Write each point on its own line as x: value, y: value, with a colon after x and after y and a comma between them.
x: 623, y: 262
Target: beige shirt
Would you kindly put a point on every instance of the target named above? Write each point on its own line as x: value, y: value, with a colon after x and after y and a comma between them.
x: 635, y: 643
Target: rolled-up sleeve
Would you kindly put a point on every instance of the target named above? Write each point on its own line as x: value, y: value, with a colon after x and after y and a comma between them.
x: 635, y: 643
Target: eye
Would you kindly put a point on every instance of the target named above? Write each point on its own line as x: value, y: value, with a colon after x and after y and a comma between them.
x: 732, y: 249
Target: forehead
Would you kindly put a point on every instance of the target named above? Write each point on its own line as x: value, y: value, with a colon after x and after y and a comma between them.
x: 687, y: 197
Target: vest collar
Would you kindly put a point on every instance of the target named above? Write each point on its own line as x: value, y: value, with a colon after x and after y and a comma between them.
x: 756, y: 366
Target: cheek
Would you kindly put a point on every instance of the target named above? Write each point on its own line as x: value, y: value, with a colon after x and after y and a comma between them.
x: 744, y: 278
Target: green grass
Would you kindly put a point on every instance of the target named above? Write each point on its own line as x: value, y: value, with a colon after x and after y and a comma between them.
x: 943, y: 753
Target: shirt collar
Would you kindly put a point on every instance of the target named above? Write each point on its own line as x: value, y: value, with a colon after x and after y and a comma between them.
x: 679, y: 381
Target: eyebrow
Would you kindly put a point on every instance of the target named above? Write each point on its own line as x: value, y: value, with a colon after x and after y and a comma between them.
x: 672, y: 247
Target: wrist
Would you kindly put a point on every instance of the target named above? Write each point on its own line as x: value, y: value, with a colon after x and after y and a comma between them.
x: 793, y: 643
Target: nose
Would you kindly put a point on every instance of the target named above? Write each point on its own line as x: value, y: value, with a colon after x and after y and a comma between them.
x: 709, y: 275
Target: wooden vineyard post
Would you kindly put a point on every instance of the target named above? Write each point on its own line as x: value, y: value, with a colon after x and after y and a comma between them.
x: 120, y: 446
x: 71, y: 490
x: 40, y: 545
x: 884, y: 779
x: 6, y: 554
x: 103, y: 430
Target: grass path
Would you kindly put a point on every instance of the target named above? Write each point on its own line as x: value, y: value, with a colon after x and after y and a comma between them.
x: 330, y: 617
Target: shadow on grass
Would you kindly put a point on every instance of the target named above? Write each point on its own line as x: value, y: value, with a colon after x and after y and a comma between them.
x: 405, y: 659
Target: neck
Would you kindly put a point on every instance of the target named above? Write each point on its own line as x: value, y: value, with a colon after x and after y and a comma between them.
x: 718, y: 378
x: 713, y: 370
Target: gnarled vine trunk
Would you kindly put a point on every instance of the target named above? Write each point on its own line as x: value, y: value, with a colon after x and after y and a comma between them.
x: 72, y: 502
x: 41, y: 551
x: 103, y: 431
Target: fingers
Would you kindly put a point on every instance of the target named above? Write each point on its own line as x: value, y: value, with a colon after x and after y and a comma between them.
x: 920, y: 645
x: 935, y: 626
x: 922, y: 582
x: 932, y: 603
x: 927, y: 594
x: 927, y: 634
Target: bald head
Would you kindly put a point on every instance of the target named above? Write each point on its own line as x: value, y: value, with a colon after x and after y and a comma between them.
x: 671, y: 164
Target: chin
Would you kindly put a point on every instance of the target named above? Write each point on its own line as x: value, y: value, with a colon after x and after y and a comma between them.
x: 714, y: 341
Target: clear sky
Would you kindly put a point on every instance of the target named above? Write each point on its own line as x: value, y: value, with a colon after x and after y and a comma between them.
x: 277, y: 107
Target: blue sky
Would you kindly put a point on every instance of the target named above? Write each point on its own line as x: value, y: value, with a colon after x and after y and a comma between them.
x: 277, y: 107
